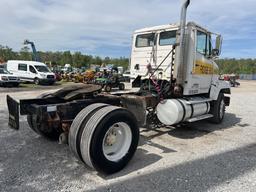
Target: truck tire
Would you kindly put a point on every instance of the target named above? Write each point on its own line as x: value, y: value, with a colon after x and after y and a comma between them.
x: 109, y: 139
x: 78, y: 124
x: 121, y: 86
x: 218, y: 109
x: 51, y: 133
x: 107, y: 88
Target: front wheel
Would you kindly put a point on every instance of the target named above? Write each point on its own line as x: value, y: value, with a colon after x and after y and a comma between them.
x: 218, y: 109
x: 109, y: 139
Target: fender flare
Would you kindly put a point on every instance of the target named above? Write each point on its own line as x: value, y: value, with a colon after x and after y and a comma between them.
x: 217, y: 87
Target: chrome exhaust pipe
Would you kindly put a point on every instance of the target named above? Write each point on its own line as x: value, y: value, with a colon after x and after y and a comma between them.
x: 180, y: 50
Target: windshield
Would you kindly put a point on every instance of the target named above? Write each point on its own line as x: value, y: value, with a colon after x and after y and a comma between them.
x: 3, y: 71
x: 41, y: 68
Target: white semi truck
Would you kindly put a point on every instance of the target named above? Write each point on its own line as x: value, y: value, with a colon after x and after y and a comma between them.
x: 179, y: 83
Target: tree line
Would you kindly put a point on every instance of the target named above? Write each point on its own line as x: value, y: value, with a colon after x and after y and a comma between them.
x: 77, y: 59
x: 237, y: 66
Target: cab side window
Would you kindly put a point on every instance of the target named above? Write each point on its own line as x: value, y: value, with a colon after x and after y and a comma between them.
x: 32, y: 69
x: 201, y: 45
x: 145, y: 40
x: 22, y: 67
x: 167, y: 38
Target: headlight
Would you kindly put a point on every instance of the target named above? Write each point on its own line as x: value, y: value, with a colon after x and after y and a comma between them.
x: 4, y: 78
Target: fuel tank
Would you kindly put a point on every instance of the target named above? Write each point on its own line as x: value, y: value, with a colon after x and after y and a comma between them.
x: 174, y: 111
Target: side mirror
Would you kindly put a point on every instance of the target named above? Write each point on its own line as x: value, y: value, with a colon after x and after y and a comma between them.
x: 215, y: 52
x: 218, y: 46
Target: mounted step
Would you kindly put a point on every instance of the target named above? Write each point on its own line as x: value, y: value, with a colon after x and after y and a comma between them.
x: 194, y: 119
x: 198, y: 101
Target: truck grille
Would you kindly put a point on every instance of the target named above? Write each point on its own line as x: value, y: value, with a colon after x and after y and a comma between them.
x: 50, y: 76
x: 12, y: 78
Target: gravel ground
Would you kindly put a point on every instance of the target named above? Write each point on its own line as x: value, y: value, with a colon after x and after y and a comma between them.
x: 198, y: 157
x: 30, y: 86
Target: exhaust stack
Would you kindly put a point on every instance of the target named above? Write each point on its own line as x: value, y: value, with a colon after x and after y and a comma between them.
x: 180, y: 50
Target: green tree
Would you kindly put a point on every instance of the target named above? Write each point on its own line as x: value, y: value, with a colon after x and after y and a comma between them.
x: 66, y: 58
x: 24, y: 54
x: 78, y: 59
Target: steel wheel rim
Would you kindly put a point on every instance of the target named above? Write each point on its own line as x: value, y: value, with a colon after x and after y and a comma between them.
x: 222, y: 107
x: 117, y: 141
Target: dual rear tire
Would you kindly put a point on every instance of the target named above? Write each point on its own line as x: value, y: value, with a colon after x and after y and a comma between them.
x: 104, y: 137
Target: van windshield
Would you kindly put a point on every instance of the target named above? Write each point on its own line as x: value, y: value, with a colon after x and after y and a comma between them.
x: 41, y: 68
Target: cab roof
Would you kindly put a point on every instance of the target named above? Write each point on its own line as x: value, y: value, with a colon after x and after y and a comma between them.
x: 168, y: 26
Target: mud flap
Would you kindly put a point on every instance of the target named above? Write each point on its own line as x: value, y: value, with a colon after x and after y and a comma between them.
x: 13, y: 108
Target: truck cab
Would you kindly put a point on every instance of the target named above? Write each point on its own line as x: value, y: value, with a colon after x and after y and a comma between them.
x: 157, y: 47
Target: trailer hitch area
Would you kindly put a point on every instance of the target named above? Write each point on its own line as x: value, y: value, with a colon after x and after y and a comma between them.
x: 65, y: 125
x: 14, y: 112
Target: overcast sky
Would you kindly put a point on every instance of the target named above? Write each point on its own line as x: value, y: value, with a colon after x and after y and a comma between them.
x: 105, y: 27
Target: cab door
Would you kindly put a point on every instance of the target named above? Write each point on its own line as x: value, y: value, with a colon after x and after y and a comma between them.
x: 167, y: 39
x: 203, y: 66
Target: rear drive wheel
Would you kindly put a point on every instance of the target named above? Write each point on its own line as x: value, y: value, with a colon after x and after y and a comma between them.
x: 121, y: 86
x: 218, y: 109
x: 78, y: 126
x: 109, y: 139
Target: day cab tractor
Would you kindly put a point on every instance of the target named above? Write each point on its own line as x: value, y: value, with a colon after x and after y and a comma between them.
x: 179, y: 83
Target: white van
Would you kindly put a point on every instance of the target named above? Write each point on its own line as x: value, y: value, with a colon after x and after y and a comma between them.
x: 31, y: 71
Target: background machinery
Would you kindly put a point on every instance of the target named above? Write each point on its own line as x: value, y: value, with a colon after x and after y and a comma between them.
x: 35, y: 56
x: 179, y: 82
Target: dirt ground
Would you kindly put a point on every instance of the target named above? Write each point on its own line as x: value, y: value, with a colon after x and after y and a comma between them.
x: 197, y: 157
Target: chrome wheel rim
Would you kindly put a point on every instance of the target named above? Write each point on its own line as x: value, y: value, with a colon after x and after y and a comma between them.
x: 117, y: 141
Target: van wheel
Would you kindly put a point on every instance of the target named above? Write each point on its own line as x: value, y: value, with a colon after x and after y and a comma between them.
x: 109, y: 139
x: 36, y: 81
x: 218, y: 109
